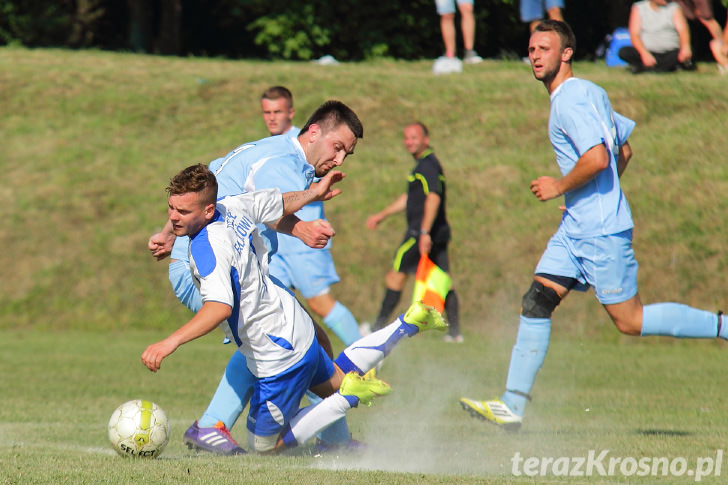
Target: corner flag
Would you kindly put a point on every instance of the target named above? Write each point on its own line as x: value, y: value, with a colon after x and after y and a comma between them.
x: 431, y: 284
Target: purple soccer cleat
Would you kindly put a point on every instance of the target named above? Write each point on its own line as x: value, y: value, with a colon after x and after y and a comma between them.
x: 216, y: 439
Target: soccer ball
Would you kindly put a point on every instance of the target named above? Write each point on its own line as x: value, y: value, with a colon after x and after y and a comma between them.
x: 139, y: 429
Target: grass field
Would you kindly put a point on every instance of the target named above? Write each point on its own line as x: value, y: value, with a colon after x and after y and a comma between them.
x: 91, y: 138
x: 643, y: 399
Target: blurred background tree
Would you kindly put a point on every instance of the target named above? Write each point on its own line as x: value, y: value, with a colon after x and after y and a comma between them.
x: 295, y: 29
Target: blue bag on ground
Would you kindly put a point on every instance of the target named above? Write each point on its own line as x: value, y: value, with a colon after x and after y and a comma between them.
x: 620, y: 38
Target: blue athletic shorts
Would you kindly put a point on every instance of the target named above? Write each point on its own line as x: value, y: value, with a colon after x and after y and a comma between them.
x: 277, y: 399
x: 536, y: 9
x: 448, y: 6
x: 606, y: 263
x: 311, y: 272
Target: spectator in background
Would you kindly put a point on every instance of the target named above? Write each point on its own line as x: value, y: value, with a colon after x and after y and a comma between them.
x: 703, y: 11
x: 449, y: 62
x: 660, y: 38
x: 532, y: 11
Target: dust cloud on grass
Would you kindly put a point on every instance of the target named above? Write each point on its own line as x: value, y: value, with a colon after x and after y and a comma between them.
x: 420, y: 427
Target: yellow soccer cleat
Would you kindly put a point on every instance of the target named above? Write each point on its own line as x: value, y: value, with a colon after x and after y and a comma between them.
x: 495, y: 412
x: 366, y: 389
x: 424, y: 317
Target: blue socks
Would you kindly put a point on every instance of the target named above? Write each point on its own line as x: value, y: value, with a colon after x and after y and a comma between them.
x: 232, y: 394
x: 527, y: 358
x: 343, y: 324
x: 681, y: 321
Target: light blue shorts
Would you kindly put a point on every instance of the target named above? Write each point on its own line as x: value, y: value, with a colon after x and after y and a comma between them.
x: 311, y: 272
x: 606, y: 263
x: 448, y: 6
x: 276, y: 399
x: 536, y: 9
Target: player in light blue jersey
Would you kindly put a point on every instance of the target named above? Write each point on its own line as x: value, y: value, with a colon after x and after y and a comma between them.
x: 228, y: 261
x: 287, y: 163
x: 593, y: 245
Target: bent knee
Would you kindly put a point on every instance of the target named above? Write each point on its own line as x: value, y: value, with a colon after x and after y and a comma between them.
x: 628, y: 326
x: 262, y: 444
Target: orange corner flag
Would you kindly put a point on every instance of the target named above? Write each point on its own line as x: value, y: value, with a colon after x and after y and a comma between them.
x: 431, y: 284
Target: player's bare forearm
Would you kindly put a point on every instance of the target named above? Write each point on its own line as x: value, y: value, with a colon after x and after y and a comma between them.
x: 587, y: 167
x: 625, y: 154
x: 210, y: 316
x: 317, y: 191
x: 399, y: 204
x: 432, y: 205
x: 315, y: 234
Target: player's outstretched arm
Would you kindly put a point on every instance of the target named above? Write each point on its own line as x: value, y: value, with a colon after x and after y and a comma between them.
x: 317, y: 191
x: 210, y: 316
x: 315, y: 234
x: 399, y: 204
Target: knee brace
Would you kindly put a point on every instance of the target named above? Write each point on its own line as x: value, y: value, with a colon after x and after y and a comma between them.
x: 539, y: 301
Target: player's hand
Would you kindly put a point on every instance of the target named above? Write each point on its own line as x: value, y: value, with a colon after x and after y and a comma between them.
x: 315, y: 234
x: 160, y: 245
x: 154, y: 354
x: 374, y: 220
x: 545, y: 188
x: 323, y: 189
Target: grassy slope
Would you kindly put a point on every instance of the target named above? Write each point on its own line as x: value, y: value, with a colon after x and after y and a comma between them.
x: 91, y: 139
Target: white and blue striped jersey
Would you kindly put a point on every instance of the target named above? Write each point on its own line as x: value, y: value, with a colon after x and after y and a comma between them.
x: 227, y: 261
x: 582, y: 118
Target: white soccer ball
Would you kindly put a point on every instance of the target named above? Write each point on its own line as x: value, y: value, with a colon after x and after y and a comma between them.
x: 139, y: 429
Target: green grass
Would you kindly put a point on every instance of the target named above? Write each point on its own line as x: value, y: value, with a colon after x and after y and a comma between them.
x: 91, y: 138
x: 636, y: 400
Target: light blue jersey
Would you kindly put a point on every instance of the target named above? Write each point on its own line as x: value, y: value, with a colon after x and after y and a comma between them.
x: 273, y: 162
x: 582, y: 118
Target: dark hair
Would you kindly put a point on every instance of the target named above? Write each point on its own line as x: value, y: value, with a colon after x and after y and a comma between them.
x: 333, y: 113
x: 195, y: 178
x: 566, y: 35
x: 277, y: 92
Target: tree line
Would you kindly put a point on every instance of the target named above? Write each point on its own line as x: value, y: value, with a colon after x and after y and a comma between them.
x: 290, y: 29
